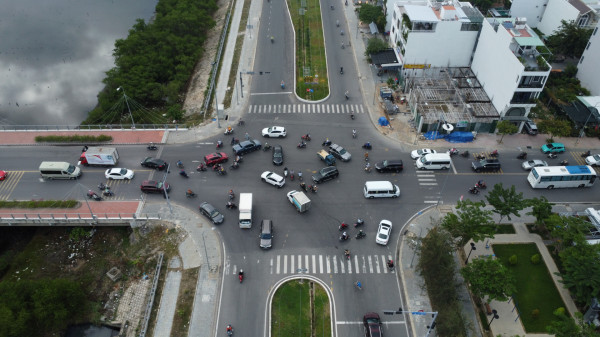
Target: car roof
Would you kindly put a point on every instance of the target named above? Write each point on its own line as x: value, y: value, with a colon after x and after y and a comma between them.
x: 149, y: 182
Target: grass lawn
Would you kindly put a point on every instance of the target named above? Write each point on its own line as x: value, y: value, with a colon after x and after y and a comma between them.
x: 291, y: 311
x: 311, y: 63
x: 535, y: 288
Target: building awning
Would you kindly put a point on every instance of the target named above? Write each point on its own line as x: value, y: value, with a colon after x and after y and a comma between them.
x: 373, y: 28
x: 515, y: 118
x: 385, y: 58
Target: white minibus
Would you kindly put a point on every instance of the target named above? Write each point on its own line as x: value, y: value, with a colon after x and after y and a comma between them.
x: 381, y: 189
x: 434, y: 161
x: 58, y: 170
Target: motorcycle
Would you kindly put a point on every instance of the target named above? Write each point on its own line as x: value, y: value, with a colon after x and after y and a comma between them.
x: 221, y: 172
x: 354, y: 134
x: 522, y: 155
x: 229, y: 330
x: 494, y: 153
x: 234, y: 166
x: 231, y: 195
x: 343, y: 226
x: 453, y: 151
x: 360, y: 234
x: 228, y: 131
x: 368, y: 168
x: 481, y: 186
x: 241, y: 275
x: 465, y: 154
x: 101, y: 186
x: 337, y: 23
x: 342, y: 33
x: 367, y: 146
x: 342, y: 69
x: 231, y: 205
x: 344, y: 238
x: 347, y: 255
x: 201, y: 168
x: 390, y: 264
x: 359, y: 222
x: 267, y: 147
x: 301, y: 145
x: 564, y: 163
x: 107, y: 192
x: 326, y: 142
x: 180, y: 164
x: 473, y: 190
x: 285, y: 172
x: 586, y: 154
x: 480, y: 156
x: 152, y: 147
x: 93, y: 195
x: 303, y: 186
x: 312, y: 188
x: 190, y: 195
x: 219, y: 144
x: 292, y: 176
x: 282, y: 85
x: 306, y: 137
x: 552, y: 155
x: 352, y: 116
x: 183, y: 174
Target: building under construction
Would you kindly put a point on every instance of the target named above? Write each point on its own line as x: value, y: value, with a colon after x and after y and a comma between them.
x: 450, y: 99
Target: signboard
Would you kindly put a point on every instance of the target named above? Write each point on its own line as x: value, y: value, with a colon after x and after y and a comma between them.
x: 417, y: 66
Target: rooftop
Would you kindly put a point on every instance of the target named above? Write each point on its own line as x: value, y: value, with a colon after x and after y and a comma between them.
x: 425, y: 11
x: 518, y: 28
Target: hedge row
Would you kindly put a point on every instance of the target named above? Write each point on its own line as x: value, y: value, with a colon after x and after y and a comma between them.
x: 74, y: 139
x: 39, y: 204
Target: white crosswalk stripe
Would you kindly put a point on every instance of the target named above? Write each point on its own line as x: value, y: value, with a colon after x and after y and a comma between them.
x: 426, y: 178
x: 329, y: 264
x: 307, y: 108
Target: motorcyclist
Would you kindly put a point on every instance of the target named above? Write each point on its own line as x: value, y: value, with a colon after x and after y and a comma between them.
x: 367, y: 145
x: 202, y: 167
x: 189, y: 193
x: 282, y: 84
x: 366, y: 155
x: 390, y: 263
x: 353, y: 132
x: 179, y: 163
x: 219, y: 143
x: 343, y: 225
x: 345, y: 236
x: 229, y: 129
x: 342, y: 70
x: 230, y: 204
x: 300, y: 175
x: 480, y: 183
x: 229, y: 328
x: 285, y: 171
x: 361, y: 233
x: 346, y: 93
x: 303, y: 185
x: 232, y: 141
x: 367, y: 166
x: 346, y: 252
x: 183, y: 173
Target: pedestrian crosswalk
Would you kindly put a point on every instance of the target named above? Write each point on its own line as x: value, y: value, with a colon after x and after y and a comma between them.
x: 426, y: 178
x: 326, y: 264
x: 307, y: 108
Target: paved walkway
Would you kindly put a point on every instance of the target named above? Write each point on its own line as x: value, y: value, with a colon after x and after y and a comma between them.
x: 99, y: 208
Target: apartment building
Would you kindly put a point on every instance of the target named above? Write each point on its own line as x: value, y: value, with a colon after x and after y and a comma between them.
x: 546, y: 15
x: 589, y: 64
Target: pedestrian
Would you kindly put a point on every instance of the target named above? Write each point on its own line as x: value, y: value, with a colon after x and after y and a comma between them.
x: 247, y: 136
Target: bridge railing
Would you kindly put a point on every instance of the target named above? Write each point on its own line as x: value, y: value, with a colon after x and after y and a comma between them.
x: 104, y: 127
x: 70, y: 219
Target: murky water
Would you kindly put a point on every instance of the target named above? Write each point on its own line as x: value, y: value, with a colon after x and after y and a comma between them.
x: 88, y: 330
x: 53, y: 55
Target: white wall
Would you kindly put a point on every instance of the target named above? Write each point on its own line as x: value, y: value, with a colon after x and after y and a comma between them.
x: 589, y: 64
x: 556, y: 11
x: 533, y: 10
x: 496, y: 67
x: 448, y: 46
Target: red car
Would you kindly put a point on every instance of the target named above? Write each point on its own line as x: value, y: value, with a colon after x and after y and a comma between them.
x: 215, y: 158
x: 2, y: 175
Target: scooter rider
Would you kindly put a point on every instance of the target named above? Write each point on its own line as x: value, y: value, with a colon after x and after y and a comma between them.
x: 347, y: 253
x: 189, y: 193
x: 390, y: 264
x: 341, y: 70
x: 344, y: 236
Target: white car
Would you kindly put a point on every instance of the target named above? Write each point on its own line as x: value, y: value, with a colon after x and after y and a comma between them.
x: 529, y: 164
x: 416, y: 154
x: 272, y: 178
x: 593, y: 160
x: 274, y: 132
x: 383, y: 232
x: 118, y: 174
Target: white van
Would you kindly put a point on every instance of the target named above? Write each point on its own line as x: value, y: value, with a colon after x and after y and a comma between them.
x: 434, y: 161
x: 381, y: 189
x: 59, y: 170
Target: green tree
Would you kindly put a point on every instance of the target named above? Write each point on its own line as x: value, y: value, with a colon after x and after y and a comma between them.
x: 375, y: 45
x: 506, y: 127
x: 581, y: 270
x: 569, y: 39
x: 489, y: 277
x: 556, y: 127
x: 566, y: 231
x: 471, y: 222
x: 541, y: 209
x: 371, y: 13
x: 566, y: 326
x: 506, y: 201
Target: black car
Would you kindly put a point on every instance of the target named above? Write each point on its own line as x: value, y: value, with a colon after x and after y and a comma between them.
x: 389, y: 166
x: 246, y: 147
x: 372, y: 324
x: 151, y: 186
x: 325, y: 174
x: 211, y: 213
x: 154, y: 163
x: 277, y: 155
x: 486, y: 165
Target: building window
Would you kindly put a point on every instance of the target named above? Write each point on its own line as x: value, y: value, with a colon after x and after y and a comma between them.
x: 581, y: 59
x: 595, y: 30
x: 588, y: 46
x: 583, y: 21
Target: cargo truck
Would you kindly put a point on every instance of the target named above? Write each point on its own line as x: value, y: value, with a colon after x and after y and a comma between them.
x: 99, y: 156
x: 325, y: 156
x: 245, y: 210
x: 299, y: 200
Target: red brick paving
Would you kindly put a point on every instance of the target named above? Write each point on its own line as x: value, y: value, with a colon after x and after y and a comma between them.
x: 119, y: 136
x: 101, y: 209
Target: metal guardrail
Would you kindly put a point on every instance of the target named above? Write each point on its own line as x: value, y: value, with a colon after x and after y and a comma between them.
x: 109, y: 127
x: 215, y: 69
x: 148, y: 311
x: 70, y: 219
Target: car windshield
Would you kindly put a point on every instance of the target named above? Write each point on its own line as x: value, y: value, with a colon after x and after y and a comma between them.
x: 373, y: 320
x: 277, y: 154
x: 71, y: 169
x: 214, y: 213
x: 265, y: 236
x: 342, y: 150
x: 597, y: 157
x: 123, y: 171
x: 421, y: 151
x: 159, y: 185
x: 385, y: 163
x: 383, y: 235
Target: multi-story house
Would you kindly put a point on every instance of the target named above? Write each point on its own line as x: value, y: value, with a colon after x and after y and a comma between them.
x: 546, y: 15
x: 589, y: 64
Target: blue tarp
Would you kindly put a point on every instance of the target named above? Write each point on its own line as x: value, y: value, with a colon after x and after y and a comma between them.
x: 433, y: 135
x: 383, y: 121
x: 460, y: 137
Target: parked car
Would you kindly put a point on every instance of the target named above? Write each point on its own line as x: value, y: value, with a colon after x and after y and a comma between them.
x: 211, y: 213
x: 274, y: 132
x: 277, y: 155
x: 340, y: 152
x: 266, y: 234
x: 530, y: 128
x: 246, y: 147
x: 416, y: 154
x: 154, y: 163
x: 529, y: 164
x: 383, y: 232
x: 553, y: 148
x: 590, y: 160
x: 152, y: 186
x: 326, y: 173
x: 119, y: 173
x: 272, y: 178
x: 2, y: 175
x: 372, y: 324
x: 389, y: 166
x: 486, y: 165
x: 215, y: 158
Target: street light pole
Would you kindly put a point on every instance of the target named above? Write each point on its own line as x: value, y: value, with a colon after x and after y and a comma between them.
x: 472, y: 249
x: 495, y: 313
x: 127, y: 103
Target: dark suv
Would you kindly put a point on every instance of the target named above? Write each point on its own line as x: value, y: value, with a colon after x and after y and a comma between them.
x: 486, y: 165
x: 325, y: 173
x: 389, y: 166
x: 246, y: 146
x: 151, y: 186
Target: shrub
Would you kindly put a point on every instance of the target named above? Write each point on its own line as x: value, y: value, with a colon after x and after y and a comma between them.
x: 39, y: 204
x: 512, y: 260
x: 535, y: 313
x: 559, y: 311
x: 535, y: 259
x: 74, y: 139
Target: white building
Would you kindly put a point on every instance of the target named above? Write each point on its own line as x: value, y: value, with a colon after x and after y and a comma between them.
x: 509, y: 67
x: 427, y: 34
x: 546, y: 15
x: 589, y: 64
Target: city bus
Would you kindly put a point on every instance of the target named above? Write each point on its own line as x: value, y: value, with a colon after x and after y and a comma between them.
x: 561, y: 176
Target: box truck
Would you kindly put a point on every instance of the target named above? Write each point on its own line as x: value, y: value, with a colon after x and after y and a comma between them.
x: 245, y: 210
x: 299, y: 200
x: 99, y: 156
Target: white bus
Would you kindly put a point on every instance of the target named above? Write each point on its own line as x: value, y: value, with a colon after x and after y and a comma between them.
x: 561, y: 176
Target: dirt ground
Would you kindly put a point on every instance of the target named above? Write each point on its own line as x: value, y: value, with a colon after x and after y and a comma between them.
x: 194, y: 97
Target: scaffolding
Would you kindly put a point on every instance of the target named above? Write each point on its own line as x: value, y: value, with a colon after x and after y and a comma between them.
x: 450, y: 95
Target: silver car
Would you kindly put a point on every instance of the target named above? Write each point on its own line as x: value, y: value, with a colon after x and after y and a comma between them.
x: 529, y: 164
x: 340, y: 152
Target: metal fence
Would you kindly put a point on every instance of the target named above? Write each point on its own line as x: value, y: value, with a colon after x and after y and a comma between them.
x: 104, y: 127
x: 74, y: 219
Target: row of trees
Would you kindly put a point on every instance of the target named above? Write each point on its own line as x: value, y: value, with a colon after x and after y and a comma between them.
x: 154, y: 63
